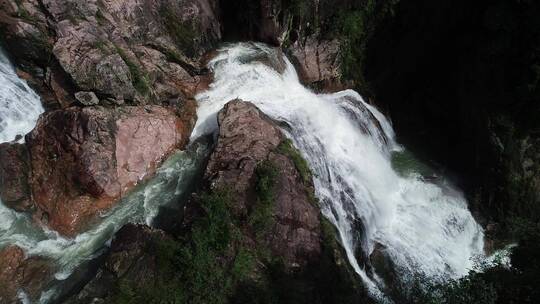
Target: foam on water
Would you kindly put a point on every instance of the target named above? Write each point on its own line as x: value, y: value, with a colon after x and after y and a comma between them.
x: 19, y: 109
x: 140, y: 206
x: 424, y: 227
x: 20, y: 106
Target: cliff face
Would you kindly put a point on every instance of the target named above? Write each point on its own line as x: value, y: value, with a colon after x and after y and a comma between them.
x: 95, y: 63
x: 124, y: 51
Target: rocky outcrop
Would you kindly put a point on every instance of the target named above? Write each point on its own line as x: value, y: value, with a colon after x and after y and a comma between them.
x: 223, y: 249
x: 298, y: 27
x: 247, y: 138
x: 133, y: 256
x: 21, y: 274
x: 272, y: 200
x: 140, y: 51
x: 80, y: 161
x: 318, y: 61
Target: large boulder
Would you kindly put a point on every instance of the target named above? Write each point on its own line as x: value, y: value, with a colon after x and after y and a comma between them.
x: 78, y: 162
x: 273, y: 202
x: 19, y: 273
x: 318, y: 62
x: 247, y: 137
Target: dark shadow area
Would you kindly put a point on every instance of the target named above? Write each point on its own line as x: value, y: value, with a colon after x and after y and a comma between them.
x: 457, y: 78
x: 240, y: 19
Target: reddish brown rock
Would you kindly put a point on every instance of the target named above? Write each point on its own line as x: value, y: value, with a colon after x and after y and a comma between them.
x: 247, y: 137
x: 14, y: 172
x: 83, y: 160
x: 19, y: 273
x: 317, y: 61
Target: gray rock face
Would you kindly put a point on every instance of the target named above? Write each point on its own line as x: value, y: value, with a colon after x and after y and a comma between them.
x: 143, y: 51
x: 132, y: 256
x: 14, y: 174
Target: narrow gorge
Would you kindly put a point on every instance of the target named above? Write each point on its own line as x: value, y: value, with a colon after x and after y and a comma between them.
x: 207, y: 151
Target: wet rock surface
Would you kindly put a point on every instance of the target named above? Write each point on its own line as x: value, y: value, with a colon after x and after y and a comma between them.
x: 84, y: 159
x: 318, y: 61
x: 14, y: 172
x: 19, y: 273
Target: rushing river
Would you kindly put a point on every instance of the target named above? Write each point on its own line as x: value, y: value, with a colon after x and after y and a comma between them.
x: 20, y: 107
x: 425, y: 228
x: 368, y: 185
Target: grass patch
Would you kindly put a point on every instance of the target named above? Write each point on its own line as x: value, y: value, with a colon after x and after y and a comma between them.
x: 100, y: 18
x: 261, y: 215
x: 286, y: 148
x: 139, y: 79
x: 183, y: 33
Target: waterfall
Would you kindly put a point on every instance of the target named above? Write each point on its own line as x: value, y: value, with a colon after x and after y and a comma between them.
x: 425, y: 228
x: 20, y: 106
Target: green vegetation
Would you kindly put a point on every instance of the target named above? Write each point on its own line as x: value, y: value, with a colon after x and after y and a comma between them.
x: 183, y: 33
x: 286, y: 148
x: 202, y: 269
x: 329, y: 280
x: 405, y: 163
x: 139, y: 78
x: 100, y: 18
x: 355, y: 27
x: 159, y: 292
x: 173, y: 56
x: 102, y: 46
x: 260, y: 217
x: 23, y: 13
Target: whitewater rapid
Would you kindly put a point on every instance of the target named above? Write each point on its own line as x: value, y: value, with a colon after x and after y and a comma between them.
x: 425, y: 228
x: 20, y: 108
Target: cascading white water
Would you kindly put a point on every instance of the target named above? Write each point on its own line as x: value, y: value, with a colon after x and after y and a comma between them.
x: 20, y: 106
x: 425, y: 228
